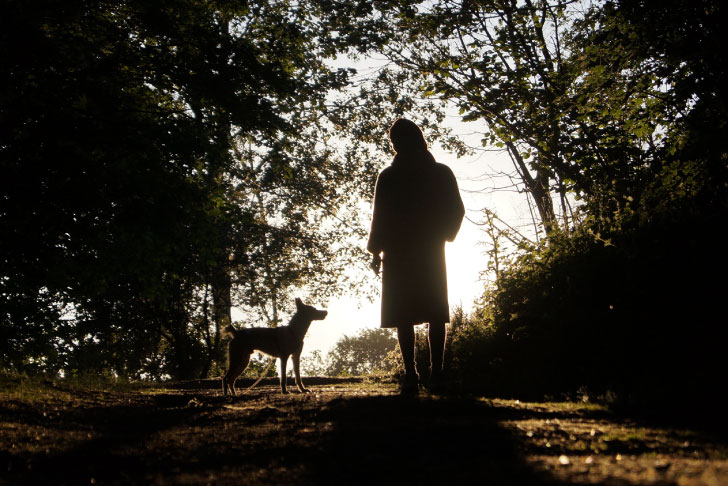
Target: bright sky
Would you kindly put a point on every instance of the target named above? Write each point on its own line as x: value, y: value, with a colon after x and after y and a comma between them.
x: 479, y: 177
x: 483, y: 183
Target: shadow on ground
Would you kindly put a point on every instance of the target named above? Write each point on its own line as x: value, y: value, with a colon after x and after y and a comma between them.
x: 338, y: 434
x: 406, y: 440
x: 345, y: 432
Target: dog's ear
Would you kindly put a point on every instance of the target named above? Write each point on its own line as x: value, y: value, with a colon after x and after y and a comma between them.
x: 299, y: 303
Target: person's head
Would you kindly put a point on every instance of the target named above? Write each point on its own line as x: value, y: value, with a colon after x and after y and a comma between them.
x: 406, y: 137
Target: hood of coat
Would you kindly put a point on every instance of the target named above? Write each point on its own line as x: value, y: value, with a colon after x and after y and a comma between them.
x: 408, y: 159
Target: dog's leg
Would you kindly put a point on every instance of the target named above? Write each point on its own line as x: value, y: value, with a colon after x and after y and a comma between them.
x: 234, y: 371
x: 284, y: 363
x: 297, y: 372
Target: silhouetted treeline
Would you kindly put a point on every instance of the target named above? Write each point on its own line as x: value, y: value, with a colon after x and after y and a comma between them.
x: 614, y: 115
x: 162, y: 161
x: 628, y: 303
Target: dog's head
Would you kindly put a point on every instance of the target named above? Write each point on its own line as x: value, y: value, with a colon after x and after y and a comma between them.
x: 309, y: 312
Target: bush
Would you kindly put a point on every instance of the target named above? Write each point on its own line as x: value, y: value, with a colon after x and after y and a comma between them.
x: 636, y: 312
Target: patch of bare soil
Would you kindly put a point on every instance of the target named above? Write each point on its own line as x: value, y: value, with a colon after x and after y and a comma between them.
x: 343, y: 432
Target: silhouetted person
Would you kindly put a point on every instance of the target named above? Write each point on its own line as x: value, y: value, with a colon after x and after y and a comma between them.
x: 417, y: 208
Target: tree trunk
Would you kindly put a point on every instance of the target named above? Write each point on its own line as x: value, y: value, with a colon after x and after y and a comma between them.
x: 538, y: 187
x: 221, y: 311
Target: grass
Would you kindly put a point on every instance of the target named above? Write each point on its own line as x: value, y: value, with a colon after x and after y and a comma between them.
x: 550, y: 406
x: 92, y: 427
x: 38, y: 388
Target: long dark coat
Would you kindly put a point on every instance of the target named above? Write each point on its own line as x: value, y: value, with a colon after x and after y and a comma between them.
x: 417, y: 208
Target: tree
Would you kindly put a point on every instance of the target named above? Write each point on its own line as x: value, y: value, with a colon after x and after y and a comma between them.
x: 361, y: 354
x: 130, y: 215
x: 102, y: 187
x: 640, y: 275
x: 583, y: 96
x: 313, y: 364
x: 495, y: 62
x: 651, y: 94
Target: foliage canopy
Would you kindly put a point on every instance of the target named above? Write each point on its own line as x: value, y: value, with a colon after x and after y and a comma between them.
x: 159, y: 161
x: 162, y: 162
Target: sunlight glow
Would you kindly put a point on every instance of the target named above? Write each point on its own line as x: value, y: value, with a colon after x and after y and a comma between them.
x: 466, y: 260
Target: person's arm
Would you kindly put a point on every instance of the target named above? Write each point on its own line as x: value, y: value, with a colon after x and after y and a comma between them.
x: 376, y: 263
x: 376, y: 233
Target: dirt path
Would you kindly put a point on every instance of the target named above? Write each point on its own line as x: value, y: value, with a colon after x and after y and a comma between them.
x: 344, y: 432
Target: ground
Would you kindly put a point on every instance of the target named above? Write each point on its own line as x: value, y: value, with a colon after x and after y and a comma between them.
x: 346, y: 431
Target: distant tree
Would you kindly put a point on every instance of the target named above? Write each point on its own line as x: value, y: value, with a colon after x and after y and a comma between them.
x: 313, y: 364
x: 362, y: 353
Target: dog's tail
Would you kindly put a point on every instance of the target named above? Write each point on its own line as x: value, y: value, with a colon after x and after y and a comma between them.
x: 229, y: 331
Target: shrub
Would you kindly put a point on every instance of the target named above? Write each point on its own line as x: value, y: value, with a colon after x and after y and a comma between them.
x: 635, y: 311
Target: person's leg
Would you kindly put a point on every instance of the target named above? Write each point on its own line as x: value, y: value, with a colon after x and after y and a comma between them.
x: 437, y: 336
x: 406, y: 338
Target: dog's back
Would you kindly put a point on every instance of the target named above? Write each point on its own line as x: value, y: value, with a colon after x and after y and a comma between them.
x: 265, y: 339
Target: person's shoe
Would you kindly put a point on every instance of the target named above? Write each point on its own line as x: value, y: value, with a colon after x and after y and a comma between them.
x: 410, y: 385
x: 437, y: 383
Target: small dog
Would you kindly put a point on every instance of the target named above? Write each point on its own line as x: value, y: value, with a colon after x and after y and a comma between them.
x: 279, y: 342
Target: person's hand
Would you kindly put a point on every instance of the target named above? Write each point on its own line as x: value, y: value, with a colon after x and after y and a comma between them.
x: 376, y: 263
